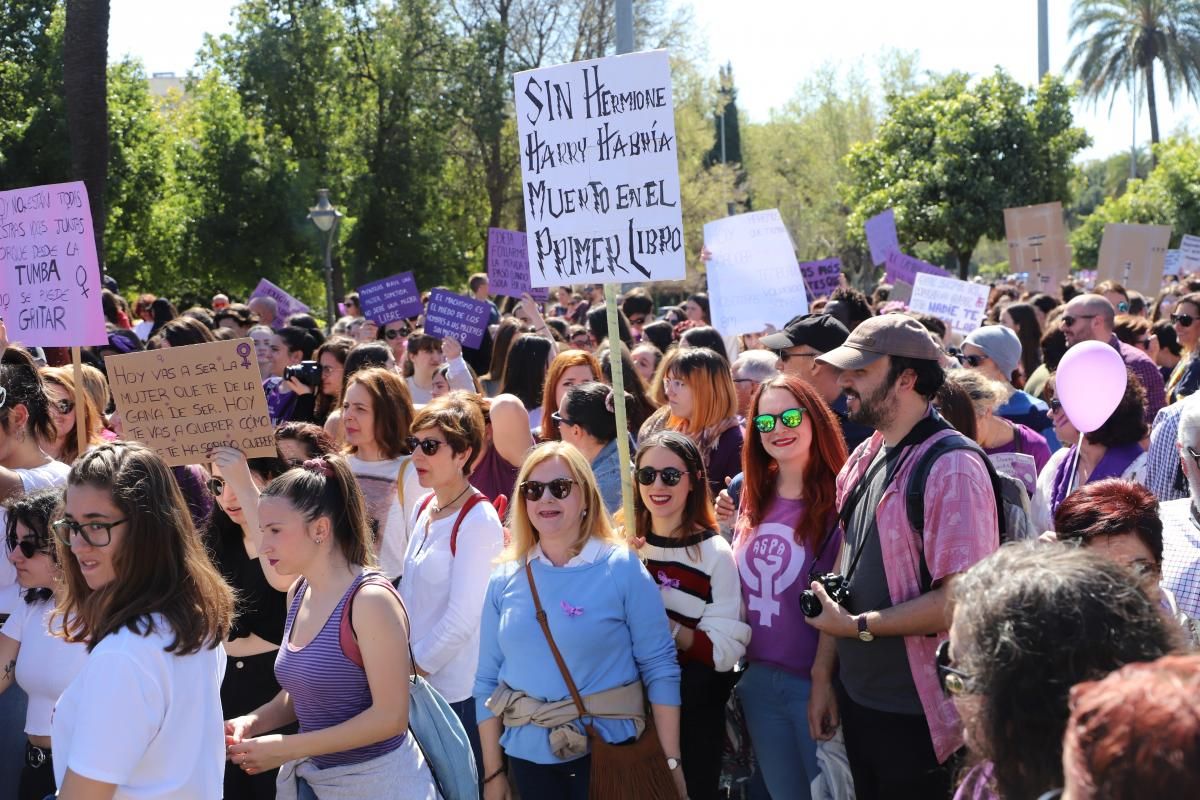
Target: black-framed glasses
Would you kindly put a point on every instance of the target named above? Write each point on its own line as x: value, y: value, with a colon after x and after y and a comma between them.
x: 559, y: 488
x: 1068, y: 320
x: 1183, y: 320
x: 670, y: 476
x: 784, y: 355
x: 765, y: 423
x: 1055, y: 406
x: 428, y: 446
x: 28, y: 547
x: 970, y: 361
x: 560, y: 420
x: 953, y: 682
x: 62, y: 406
x: 216, y: 486
x: 96, y: 534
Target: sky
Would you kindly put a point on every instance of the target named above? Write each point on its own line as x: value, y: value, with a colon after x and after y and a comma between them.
x: 773, y: 46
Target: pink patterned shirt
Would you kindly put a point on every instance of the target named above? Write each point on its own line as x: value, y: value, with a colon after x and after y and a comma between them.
x: 960, y: 529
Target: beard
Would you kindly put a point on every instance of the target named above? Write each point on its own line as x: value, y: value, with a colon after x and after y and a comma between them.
x: 874, y: 410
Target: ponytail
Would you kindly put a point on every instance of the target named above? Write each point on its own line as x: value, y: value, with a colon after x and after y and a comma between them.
x: 325, y: 487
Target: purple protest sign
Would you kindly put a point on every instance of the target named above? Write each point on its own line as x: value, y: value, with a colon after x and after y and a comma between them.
x: 389, y: 299
x: 881, y: 236
x: 821, y: 277
x: 450, y: 314
x: 286, y: 305
x: 901, y: 267
x: 49, y: 275
x: 508, y: 265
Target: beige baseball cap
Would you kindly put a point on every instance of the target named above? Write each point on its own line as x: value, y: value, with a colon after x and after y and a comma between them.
x: 888, y: 335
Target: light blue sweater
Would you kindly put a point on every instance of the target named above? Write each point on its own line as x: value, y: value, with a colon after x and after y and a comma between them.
x: 619, y: 634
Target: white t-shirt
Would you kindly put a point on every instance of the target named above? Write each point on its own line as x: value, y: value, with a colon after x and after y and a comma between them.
x: 46, y: 663
x: 53, y: 473
x: 377, y: 479
x: 444, y: 594
x: 145, y: 720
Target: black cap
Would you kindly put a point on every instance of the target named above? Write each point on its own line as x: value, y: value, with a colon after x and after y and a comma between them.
x: 821, y: 332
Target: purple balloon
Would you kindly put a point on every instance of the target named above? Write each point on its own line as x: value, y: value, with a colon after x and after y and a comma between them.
x: 1090, y: 383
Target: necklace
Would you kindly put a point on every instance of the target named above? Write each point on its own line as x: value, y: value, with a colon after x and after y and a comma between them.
x: 438, y: 509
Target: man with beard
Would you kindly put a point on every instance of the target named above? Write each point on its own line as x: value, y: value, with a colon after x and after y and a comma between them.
x: 875, y: 668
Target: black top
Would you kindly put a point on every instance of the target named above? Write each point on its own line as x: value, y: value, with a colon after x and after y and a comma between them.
x: 261, y: 609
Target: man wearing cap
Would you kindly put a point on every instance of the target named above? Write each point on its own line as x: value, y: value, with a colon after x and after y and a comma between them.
x: 875, y: 668
x: 800, y: 342
x: 995, y: 351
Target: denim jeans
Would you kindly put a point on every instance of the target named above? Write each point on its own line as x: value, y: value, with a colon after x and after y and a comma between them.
x: 775, y: 703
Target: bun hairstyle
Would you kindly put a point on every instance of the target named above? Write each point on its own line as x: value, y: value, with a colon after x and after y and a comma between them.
x: 325, y: 487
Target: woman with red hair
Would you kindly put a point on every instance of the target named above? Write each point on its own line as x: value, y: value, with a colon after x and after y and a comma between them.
x: 569, y: 368
x: 786, y: 534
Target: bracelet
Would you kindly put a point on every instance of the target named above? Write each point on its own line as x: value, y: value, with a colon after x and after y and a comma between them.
x: 494, y: 775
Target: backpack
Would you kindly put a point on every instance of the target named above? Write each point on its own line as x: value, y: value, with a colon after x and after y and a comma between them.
x: 500, y: 504
x: 436, y: 729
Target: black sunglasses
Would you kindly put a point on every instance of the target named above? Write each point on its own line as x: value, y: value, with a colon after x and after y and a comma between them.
x: 216, y: 486
x: 428, y: 446
x: 953, y: 682
x: 1183, y: 320
x: 1069, y: 320
x: 785, y: 355
x: 28, y: 547
x: 670, y: 476
x: 393, y: 333
x: 63, y: 406
x: 561, y: 420
x: 559, y: 488
x: 970, y: 361
x: 1055, y: 406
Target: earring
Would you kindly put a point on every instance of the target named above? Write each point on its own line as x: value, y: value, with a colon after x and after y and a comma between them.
x: 583, y: 513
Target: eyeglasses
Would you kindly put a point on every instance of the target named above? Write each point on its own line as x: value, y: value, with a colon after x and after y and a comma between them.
x: 428, y: 446
x: 216, y: 486
x: 1055, y: 406
x: 1183, y: 320
x: 674, y: 384
x: 765, y: 423
x: 28, y: 547
x: 62, y: 406
x: 92, y: 532
x: 561, y: 420
x: 784, y: 355
x: 559, y: 488
x: 1068, y: 320
x: 953, y: 682
x: 970, y: 361
x: 670, y: 476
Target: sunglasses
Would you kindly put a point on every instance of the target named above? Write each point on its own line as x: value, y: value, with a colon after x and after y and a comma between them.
x: 428, y: 446
x: 1055, y: 406
x: 970, y: 361
x: 670, y: 476
x: 62, y: 406
x: 216, y: 486
x: 765, y: 423
x: 561, y: 420
x: 953, y: 682
x: 559, y: 488
x: 96, y: 534
x: 28, y: 547
x: 1183, y: 320
x: 1069, y: 321
x: 393, y: 333
x: 784, y: 355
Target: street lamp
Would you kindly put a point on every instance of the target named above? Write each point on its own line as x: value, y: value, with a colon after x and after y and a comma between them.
x: 326, y: 218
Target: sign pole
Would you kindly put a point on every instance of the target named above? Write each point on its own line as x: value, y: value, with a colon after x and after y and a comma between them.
x: 81, y: 432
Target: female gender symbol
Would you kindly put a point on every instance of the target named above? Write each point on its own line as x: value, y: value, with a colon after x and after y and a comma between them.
x: 243, y: 350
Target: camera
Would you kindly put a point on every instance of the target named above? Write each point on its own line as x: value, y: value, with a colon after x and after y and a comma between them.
x: 307, y: 372
x: 836, y: 586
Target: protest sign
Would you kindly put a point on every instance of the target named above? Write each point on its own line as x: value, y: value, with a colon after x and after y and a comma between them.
x: 389, y: 299
x: 1037, y: 245
x: 1134, y: 256
x: 881, y: 236
x: 450, y: 314
x: 822, y: 277
x: 508, y: 265
x: 753, y: 277
x: 1021, y: 466
x: 902, y: 267
x: 960, y: 304
x: 49, y: 275
x: 1189, y: 254
x: 286, y: 305
x: 901, y: 292
x: 1172, y: 262
x: 182, y: 402
x: 600, y: 171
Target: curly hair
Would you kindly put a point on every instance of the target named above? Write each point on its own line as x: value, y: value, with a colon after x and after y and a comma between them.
x: 1127, y: 424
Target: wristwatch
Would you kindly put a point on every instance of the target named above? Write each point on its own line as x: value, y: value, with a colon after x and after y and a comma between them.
x: 864, y: 635
x: 674, y: 763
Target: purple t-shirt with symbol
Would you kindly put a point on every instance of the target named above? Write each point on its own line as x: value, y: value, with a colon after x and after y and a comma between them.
x: 774, y: 571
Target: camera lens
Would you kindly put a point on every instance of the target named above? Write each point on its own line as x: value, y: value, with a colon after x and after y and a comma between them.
x: 810, y: 604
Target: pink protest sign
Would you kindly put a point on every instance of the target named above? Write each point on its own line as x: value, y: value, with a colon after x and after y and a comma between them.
x: 881, y: 236
x: 49, y: 274
x: 450, y: 314
x: 821, y: 277
x: 508, y: 265
x: 901, y: 267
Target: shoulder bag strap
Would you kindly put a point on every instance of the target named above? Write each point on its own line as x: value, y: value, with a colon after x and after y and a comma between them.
x: 562, y: 665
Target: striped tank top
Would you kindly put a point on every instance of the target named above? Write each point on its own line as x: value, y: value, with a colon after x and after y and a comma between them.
x: 326, y: 687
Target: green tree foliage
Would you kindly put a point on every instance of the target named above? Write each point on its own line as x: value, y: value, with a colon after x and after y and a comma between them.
x: 1169, y: 195
x: 950, y: 158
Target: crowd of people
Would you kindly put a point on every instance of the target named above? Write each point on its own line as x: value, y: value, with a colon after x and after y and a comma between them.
x: 868, y: 558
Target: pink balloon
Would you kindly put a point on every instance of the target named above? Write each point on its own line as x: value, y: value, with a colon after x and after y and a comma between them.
x: 1090, y: 383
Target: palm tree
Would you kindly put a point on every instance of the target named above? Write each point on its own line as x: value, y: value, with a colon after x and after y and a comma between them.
x: 1122, y: 40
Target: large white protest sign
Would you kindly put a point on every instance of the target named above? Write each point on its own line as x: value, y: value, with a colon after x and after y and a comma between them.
x: 599, y: 170
x: 960, y: 304
x: 753, y: 277
x: 1189, y: 254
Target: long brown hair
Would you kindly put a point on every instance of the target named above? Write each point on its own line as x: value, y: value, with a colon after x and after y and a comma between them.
x: 826, y: 456
x: 161, y: 565
x: 561, y: 363
x: 698, y: 511
x: 325, y: 487
x: 391, y: 409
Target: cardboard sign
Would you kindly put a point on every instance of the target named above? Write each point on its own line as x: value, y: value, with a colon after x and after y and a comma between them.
x: 1037, y: 245
x: 1021, y: 466
x: 1134, y: 256
x: 901, y: 267
x: 960, y: 304
x: 1189, y: 254
x: 182, y: 402
x: 881, y: 236
x: 390, y: 299
x: 600, y: 171
x: 450, y: 314
x: 508, y: 265
x: 1172, y: 263
x: 822, y: 277
x: 286, y: 305
x: 753, y: 277
x: 49, y: 275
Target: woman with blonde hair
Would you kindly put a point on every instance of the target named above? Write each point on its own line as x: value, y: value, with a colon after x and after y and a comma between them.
x: 60, y: 391
x: 605, y: 615
x: 703, y: 404
x: 569, y: 368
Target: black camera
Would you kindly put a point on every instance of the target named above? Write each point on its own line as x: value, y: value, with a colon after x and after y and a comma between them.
x: 836, y: 586
x: 307, y: 372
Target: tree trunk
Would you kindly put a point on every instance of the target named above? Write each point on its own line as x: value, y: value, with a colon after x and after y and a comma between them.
x: 964, y: 263
x: 85, y: 84
x: 1152, y: 105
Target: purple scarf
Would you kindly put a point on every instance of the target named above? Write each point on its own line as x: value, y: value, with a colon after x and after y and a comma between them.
x: 1114, y: 463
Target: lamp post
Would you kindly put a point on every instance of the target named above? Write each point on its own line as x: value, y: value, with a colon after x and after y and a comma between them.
x: 326, y: 218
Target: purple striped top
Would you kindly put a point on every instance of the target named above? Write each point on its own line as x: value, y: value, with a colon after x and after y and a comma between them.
x: 326, y: 687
